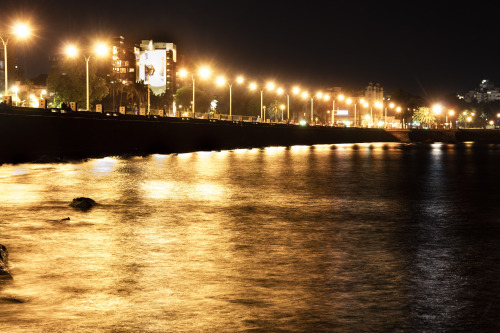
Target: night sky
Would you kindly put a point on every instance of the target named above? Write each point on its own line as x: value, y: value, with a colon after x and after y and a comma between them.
x: 426, y: 49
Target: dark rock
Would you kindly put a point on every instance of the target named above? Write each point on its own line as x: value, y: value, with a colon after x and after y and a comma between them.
x: 10, y: 300
x: 83, y: 203
x: 4, y: 269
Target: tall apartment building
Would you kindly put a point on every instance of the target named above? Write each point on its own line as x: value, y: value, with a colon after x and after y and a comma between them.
x: 123, y: 61
x: 156, y: 66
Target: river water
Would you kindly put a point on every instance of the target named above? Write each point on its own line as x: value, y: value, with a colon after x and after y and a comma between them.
x: 331, y: 238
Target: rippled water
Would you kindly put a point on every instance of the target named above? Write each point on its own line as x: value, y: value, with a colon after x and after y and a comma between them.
x: 343, y: 238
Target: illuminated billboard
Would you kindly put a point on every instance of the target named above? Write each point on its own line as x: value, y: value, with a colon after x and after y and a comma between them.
x: 152, y: 70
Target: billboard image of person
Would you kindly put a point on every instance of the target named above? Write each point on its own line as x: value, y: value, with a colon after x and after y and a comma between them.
x: 152, y: 70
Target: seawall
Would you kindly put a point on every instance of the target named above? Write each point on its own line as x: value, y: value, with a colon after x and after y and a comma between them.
x: 31, y: 134
x: 28, y: 135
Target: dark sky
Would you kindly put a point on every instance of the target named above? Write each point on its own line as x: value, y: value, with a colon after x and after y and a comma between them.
x: 428, y: 49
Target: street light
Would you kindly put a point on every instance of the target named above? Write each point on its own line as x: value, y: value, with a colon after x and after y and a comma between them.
x: 100, y: 50
x: 280, y: 91
x: 204, y: 72
x: 437, y: 109
x: 340, y: 98
x: 319, y: 95
x: 450, y: 113
x: 368, y: 117
x: 391, y: 106
x: 269, y: 86
x: 19, y: 30
x: 221, y: 81
x: 282, y: 107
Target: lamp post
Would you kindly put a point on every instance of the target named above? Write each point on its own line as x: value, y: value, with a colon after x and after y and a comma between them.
x: 398, y: 110
x: 333, y: 111
x: 355, y: 110
x: 221, y: 81
x: 340, y: 98
x: 280, y: 91
x: 437, y: 109
x: 204, y: 72
x: 269, y: 86
x: 391, y: 105
x: 20, y: 30
x: 295, y: 91
x: 100, y: 50
x: 451, y: 113
x: 319, y: 95
x: 368, y: 117
x: 253, y: 86
x: 348, y: 101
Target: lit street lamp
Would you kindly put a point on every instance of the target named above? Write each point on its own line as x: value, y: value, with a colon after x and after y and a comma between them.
x: 221, y: 81
x: 21, y: 31
x: 391, y: 106
x: 450, y: 113
x: 437, y: 109
x: 269, y: 86
x: 100, y: 50
x: 368, y: 117
x: 295, y: 91
x: 204, y: 72
x: 319, y: 95
x: 340, y: 98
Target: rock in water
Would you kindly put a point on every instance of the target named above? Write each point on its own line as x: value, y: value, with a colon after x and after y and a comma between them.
x: 4, y: 269
x: 83, y: 203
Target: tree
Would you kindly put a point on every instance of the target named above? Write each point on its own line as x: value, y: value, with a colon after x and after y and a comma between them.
x: 162, y: 101
x: 69, y: 83
x: 468, y: 118
x: 184, y: 97
x: 424, y: 116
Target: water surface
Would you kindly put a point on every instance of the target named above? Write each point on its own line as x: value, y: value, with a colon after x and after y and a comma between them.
x: 330, y: 238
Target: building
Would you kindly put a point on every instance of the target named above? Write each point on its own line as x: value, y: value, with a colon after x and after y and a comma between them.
x: 486, y: 92
x: 15, y: 73
x: 123, y: 62
x: 156, y: 64
x: 374, y: 93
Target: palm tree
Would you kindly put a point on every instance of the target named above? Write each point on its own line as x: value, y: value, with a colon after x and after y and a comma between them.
x: 424, y: 116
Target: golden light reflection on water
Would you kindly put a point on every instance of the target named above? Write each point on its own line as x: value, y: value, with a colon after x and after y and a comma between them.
x: 104, y: 165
